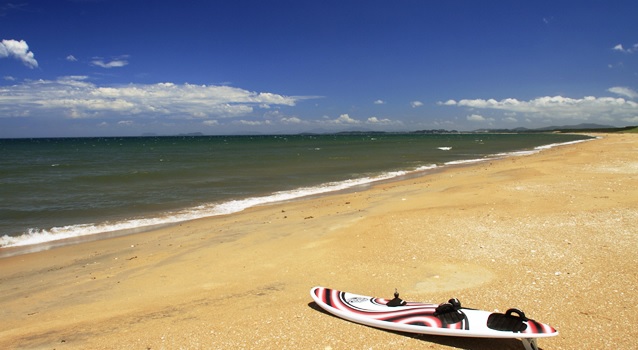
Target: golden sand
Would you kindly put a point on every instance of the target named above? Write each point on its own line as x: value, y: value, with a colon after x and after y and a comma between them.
x: 553, y: 234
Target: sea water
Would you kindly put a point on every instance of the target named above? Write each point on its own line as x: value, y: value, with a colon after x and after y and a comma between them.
x: 53, y: 189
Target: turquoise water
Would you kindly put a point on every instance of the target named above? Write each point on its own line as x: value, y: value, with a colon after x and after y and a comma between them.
x: 70, y: 187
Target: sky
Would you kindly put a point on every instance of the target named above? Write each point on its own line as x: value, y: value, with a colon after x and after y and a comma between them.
x: 132, y: 67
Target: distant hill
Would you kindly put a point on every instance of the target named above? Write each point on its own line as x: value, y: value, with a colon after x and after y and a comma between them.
x: 578, y: 127
x: 584, y: 127
x: 564, y: 128
x: 192, y: 134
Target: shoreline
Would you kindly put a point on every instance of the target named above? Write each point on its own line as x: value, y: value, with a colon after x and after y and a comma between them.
x: 551, y: 233
x: 44, y: 240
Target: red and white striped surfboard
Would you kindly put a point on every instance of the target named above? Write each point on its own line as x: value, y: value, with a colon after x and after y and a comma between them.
x: 448, y: 319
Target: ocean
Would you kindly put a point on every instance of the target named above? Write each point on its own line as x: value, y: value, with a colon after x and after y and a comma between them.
x: 60, y: 188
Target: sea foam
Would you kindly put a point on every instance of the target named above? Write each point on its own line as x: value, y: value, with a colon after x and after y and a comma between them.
x: 39, y: 236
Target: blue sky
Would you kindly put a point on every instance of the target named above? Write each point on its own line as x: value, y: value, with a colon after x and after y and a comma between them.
x: 127, y: 67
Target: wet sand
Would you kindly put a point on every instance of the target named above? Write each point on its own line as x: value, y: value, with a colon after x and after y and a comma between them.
x: 553, y: 234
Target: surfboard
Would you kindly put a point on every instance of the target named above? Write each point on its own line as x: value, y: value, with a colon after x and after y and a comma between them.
x: 446, y: 319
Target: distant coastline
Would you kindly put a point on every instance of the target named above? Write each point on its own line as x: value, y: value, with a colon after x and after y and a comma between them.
x: 580, y: 128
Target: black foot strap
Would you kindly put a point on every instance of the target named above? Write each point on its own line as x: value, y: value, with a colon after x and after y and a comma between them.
x: 508, y: 321
x: 450, y: 312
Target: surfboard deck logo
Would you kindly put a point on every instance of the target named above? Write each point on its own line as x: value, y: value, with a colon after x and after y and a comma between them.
x: 447, y: 319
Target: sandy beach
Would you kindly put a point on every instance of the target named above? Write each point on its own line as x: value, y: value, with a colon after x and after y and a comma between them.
x: 553, y: 234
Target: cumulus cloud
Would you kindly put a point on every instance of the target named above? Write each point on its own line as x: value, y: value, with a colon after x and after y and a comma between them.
x: 476, y: 118
x: 384, y: 121
x: 559, y: 107
x: 375, y: 120
x: 379, y: 102
x: 416, y: 104
x: 71, y: 58
x: 291, y: 120
x: 77, y: 97
x: 447, y: 103
x: 18, y: 50
x: 346, y: 119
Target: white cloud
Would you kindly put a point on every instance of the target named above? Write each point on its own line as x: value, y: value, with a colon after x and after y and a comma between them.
x: 18, y: 50
x: 71, y: 58
x: 254, y: 122
x: 345, y: 119
x: 210, y: 122
x: 475, y: 118
x: 559, y: 107
x: 416, y: 104
x: 624, y: 91
x: 384, y: 121
x: 621, y: 48
x: 447, y: 103
x: 77, y: 97
x: 8, y: 78
x: 116, y: 63
x: 291, y: 120
x: 379, y: 102
x: 375, y: 120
